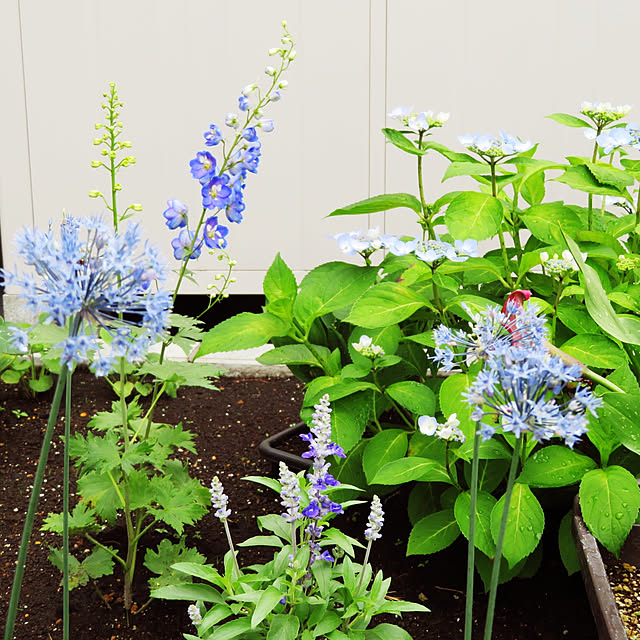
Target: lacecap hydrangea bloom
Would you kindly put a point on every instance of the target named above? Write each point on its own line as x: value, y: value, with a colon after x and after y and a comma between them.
x: 222, y: 180
x: 490, y: 147
x: 604, y: 113
x: 93, y: 279
x: 365, y: 243
x: 617, y: 137
x: 418, y: 120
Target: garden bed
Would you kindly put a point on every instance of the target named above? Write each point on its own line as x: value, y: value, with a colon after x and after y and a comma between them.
x: 229, y: 425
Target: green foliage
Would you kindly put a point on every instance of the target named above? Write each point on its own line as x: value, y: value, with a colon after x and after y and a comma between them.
x: 594, y: 317
x: 289, y: 596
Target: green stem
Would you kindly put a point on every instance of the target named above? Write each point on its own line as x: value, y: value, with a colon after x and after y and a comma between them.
x: 111, y: 552
x: 594, y: 157
x: 503, y: 246
x: 471, y: 549
x: 65, y: 507
x: 592, y: 375
x: 497, y: 559
x: 232, y: 548
x: 364, y: 569
x: 423, y: 203
x: 31, y: 510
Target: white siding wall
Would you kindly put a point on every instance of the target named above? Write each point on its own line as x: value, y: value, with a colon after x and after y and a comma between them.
x: 179, y: 66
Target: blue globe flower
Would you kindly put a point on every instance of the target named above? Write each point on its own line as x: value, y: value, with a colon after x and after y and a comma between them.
x: 92, y: 279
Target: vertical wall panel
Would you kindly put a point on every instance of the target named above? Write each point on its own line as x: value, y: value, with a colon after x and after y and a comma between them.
x: 180, y: 66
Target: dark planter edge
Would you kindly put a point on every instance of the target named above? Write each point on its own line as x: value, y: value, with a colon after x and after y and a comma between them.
x: 601, y: 599
x: 269, y: 448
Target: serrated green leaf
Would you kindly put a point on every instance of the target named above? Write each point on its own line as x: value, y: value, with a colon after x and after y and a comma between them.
x: 398, y: 139
x: 609, y: 500
x: 279, y: 282
x: 414, y: 396
x: 385, y: 304
x: 473, y: 215
x: 555, y: 466
x: 547, y: 221
x: 580, y: 178
x: 595, y: 350
x: 622, y: 412
x: 283, y: 627
x: 411, y: 468
x: 484, y: 506
x: 433, y: 533
x: 384, y: 447
x: 244, y: 331
x: 570, y: 121
x: 380, y: 203
x: 330, y: 287
x: 525, y: 524
x: 466, y: 169
x: 567, y: 545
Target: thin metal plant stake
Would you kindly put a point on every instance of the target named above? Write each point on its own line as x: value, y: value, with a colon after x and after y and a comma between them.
x: 31, y: 511
x: 471, y: 550
x: 497, y: 560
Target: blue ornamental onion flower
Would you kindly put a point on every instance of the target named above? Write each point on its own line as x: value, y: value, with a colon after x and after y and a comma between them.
x: 490, y: 332
x: 516, y: 391
x: 93, y: 279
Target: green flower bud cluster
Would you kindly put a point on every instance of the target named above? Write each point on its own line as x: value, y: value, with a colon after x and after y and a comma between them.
x: 628, y: 262
x: 604, y: 113
x: 112, y: 158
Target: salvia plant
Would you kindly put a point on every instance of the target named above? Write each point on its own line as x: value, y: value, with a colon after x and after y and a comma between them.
x: 389, y: 339
x: 312, y: 587
x: 97, y: 288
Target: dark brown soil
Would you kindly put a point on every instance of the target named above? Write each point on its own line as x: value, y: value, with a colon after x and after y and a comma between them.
x: 229, y: 426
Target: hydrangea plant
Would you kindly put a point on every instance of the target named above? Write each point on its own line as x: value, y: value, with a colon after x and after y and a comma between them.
x: 386, y: 334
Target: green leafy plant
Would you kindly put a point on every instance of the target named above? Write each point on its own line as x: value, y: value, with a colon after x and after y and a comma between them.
x: 312, y: 587
x: 579, y: 265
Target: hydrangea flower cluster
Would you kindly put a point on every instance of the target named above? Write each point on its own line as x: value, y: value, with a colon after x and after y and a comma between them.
x: 490, y: 333
x: 627, y: 262
x: 559, y: 267
x: 222, y: 182
x: 491, y: 148
x: 449, y: 430
x: 366, y: 243
x: 320, y: 505
x: 516, y: 390
x: 418, y: 121
x: 617, y: 137
x: 366, y: 348
x: 91, y: 279
x: 604, y: 113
